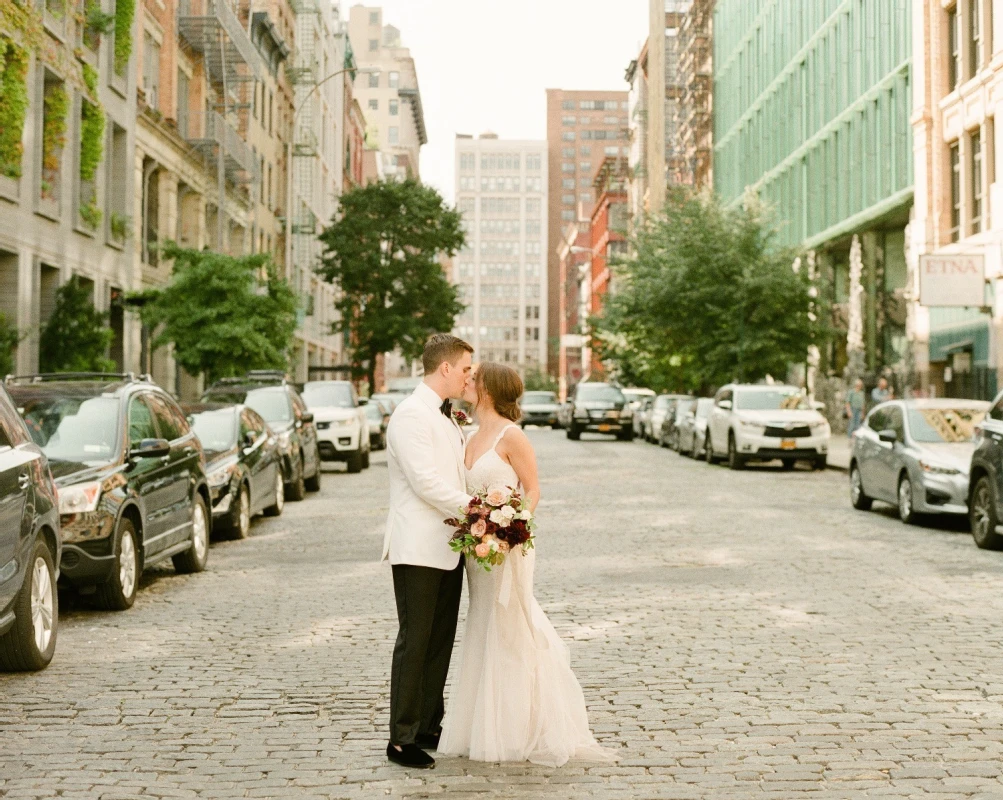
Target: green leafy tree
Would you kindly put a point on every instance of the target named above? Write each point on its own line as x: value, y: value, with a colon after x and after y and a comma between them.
x: 382, y: 252
x: 709, y: 298
x: 76, y: 337
x: 539, y: 381
x: 9, y: 340
x: 224, y: 315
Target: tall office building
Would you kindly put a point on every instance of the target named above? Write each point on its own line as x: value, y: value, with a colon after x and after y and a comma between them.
x: 583, y: 128
x: 501, y: 190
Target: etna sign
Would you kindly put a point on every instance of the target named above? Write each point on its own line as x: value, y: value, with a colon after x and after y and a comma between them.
x: 952, y: 280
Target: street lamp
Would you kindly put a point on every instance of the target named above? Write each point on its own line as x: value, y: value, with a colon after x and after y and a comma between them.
x: 289, y: 154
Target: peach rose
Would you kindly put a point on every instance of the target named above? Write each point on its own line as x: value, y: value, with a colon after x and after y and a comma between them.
x: 483, y: 550
x: 478, y: 529
x: 498, y: 496
x: 503, y: 547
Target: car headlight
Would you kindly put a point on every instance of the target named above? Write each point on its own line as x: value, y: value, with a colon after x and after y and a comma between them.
x: 626, y: 414
x: 284, y: 438
x: 80, y: 498
x: 745, y: 423
x: 220, y: 477
x: 935, y: 469
x: 343, y: 423
x: 581, y: 413
x: 820, y: 428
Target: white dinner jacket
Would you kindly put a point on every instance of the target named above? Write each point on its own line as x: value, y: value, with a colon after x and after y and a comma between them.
x: 427, y: 482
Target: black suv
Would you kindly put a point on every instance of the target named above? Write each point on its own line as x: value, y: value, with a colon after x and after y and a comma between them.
x: 29, y: 547
x: 985, y: 482
x: 130, y: 474
x: 271, y: 394
x: 599, y: 407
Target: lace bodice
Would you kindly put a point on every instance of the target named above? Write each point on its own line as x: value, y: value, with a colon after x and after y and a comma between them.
x: 491, y: 469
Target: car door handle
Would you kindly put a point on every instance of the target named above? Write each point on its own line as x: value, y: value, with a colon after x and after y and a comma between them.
x: 24, y: 480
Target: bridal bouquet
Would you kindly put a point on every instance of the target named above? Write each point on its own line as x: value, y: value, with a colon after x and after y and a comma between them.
x: 496, y: 521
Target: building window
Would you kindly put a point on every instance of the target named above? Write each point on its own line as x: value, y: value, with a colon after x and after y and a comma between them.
x: 374, y: 17
x: 568, y: 183
x: 567, y: 198
x: 374, y: 80
x: 568, y: 152
x: 586, y: 150
x: 467, y: 162
x: 568, y: 216
x: 182, y: 112
x: 567, y: 120
x: 394, y: 134
x: 978, y: 36
x: 568, y: 105
x: 534, y: 163
x: 955, y: 192
x: 568, y: 166
x: 393, y: 108
x: 374, y: 44
x: 954, y: 44
x: 393, y: 79
x: 568, y: 136
x: 611, y: 151
x: 374, y: 104
x: 151, y: 70
x: 585, y: 197
x: 586, y: 166
x: 977, y: 186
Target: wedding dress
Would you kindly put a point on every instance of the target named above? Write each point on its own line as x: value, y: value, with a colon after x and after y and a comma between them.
x: 515, y: 698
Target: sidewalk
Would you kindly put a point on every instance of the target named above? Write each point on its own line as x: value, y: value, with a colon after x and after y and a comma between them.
x: 839, y: 452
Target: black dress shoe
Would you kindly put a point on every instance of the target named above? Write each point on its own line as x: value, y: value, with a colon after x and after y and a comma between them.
x: 410, y: 755
x: 428, y: 741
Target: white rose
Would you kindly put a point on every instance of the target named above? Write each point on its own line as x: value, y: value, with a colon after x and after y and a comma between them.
x: 500, y: 518
x: 526, y: 515
x: 509, y: 512
x: 494, y: 546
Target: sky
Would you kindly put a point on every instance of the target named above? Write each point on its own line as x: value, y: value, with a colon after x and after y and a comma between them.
x: 485, y: 64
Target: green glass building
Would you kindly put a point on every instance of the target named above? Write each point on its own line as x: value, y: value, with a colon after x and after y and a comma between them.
x: 812, y: 105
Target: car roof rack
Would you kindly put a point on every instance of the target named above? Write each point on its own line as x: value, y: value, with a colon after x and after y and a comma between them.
x: 46, y: 377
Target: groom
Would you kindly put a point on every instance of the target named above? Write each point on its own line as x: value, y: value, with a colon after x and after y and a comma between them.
x: 427, y: 486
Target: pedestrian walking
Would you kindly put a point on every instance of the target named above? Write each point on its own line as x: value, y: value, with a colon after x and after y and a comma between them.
x: 881, y: 392
x: 855, y: 401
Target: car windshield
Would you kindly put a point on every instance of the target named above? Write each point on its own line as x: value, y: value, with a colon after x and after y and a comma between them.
x: 76, y: 429
x: 788, y: 399
x: 273, y: 404
x: 373, y: 410
x: 536, y: 398
x: 950, y: 425
x: 215, y: 429
x: 633, y: 397
x: 328, y: 395
x: 704, y: 405
x: 600, y: 393
x: 684, y: 407
x: 662, y: 402
x: 391, y: 401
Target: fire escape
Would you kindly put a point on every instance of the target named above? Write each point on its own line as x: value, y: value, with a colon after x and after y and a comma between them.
x: 676, y: 166
x: 212, y: 30
x: 697, y: 78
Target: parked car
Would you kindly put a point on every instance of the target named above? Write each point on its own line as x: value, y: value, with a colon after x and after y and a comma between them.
x: 636, y: 396
x: 390, y: 400
x: 916, y: 455
x: 378, y: 418
x: 985, y: 492
x: 130, y: 475
x: 243, y: 465
x: 664, y: 407
x: 342, y: 425
x: 599, y: 407
x: 692, y: 429
x: 641, y: 415
x: 764, y: 423
x: 539, y: 408
x: 30, y: 547
x: 668, y: 435
x: 277, y: 401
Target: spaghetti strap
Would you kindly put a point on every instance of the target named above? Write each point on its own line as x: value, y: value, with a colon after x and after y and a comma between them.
x: 501, y: 433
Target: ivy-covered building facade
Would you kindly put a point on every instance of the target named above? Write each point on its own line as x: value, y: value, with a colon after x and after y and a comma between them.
x: 67, y: 119
x: 812, y: 106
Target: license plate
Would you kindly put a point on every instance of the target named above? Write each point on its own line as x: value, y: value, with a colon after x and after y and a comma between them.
x: 605, y: 428
x: 788, y: 444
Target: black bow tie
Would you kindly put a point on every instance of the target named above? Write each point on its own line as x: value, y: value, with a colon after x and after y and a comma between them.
x: 447, y: 409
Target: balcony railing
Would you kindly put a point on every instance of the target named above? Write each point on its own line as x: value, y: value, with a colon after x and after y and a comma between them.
x: 211, y: 28
x: 208, y: 132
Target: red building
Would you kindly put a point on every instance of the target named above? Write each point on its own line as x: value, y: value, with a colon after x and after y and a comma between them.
x: 607, y: 234
x: 574, y: 255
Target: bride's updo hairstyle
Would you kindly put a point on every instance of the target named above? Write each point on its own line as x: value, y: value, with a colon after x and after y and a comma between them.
x: 503, y: 386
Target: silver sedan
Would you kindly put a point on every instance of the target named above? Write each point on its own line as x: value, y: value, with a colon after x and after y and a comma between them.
x: 693, y: 428
x: 916, y: 455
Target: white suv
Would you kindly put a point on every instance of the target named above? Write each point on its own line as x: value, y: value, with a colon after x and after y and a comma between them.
x: 342, y: 426
x: 763, y: 423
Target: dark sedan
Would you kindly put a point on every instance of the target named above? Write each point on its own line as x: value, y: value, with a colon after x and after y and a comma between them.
x: 243, y: 465
x: 599, y: 407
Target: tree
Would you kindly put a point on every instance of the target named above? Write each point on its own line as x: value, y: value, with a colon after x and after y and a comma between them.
x: 708, y: 299
x: 382, y: 252
x: 537, y: 380
x: 76, y: 337
x: 10, y: 338
x: 223, y: 314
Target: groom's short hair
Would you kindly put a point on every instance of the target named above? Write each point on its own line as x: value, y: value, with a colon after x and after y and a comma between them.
x: 443, y: 347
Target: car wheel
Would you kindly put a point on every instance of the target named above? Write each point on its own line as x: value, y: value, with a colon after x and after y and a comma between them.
x: 573, y: 433
x: 240, y: 522
x: 31, y: 642
x: 982, y: 515
x: 296, y: 488
x: 708, y: 450
x: 119, y: 592
x: 858, y: 499
x: 194, y: 558
x: 907, y: 512
x: 313, y: 484
x: 355, y: 461
x: 626, y: 436
x: 820, y: 463
x: 555, y: 426
x: 365, y: 460
x: 735, y: 461
x: 383, y: 442
x: 275, y: 509
x: 787, y: 464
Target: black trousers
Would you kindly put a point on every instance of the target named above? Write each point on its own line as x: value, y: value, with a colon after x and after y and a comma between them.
x: 428, y: 602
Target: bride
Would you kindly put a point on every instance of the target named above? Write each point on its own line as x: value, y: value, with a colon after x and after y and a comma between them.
x: 516, y: 698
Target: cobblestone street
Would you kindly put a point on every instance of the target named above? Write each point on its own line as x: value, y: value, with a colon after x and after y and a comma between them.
x: 738, y: 634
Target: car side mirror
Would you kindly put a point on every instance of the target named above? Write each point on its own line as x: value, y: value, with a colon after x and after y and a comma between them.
x: 250, y: 439
x: 818, y: 405
x: 888, y: 436
x: 725, y: 404
x: 307, y: 417
x: 150, y: 448
x: 363, y: 401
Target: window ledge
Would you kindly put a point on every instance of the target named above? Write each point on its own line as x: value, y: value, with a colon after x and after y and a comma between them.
x: 48, y: 208
x: 10, y: 189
